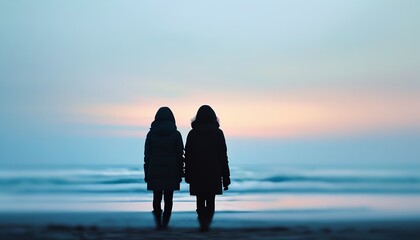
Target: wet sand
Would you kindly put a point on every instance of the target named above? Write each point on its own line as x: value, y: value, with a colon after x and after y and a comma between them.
x: 184, y: 226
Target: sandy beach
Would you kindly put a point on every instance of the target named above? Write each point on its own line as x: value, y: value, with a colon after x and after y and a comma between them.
x: 139, y: 225
x: 103, y: 202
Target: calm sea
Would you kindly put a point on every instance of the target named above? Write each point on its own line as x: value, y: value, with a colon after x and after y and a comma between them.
x: 302, y: 191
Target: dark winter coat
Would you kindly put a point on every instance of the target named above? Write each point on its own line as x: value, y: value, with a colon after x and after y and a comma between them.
x: 163, y: 153
x: 206, y: 160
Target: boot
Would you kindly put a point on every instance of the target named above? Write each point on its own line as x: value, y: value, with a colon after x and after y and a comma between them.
x: 166, y: 218
x: 210, y: 214
x: 203, y: 220
x: 158, y: 216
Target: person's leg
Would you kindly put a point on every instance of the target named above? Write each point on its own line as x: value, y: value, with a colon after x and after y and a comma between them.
x: 201, y: 202
x: 210, y: 207
x: 157, y: 199
x: 168, y: 196
x: 202, y: 213
x: 210, y: 202
x: 157, y: 211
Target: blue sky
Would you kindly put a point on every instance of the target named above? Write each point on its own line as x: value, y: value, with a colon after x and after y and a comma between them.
x: 293, y: 82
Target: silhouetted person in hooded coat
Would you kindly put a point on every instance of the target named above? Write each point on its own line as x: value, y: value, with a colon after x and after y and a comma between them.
x: 163, y: 162
x: 206, y: 163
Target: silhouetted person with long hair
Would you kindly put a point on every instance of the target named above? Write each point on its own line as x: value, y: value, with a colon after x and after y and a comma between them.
x: 163, y: 160
x: 206, y: 163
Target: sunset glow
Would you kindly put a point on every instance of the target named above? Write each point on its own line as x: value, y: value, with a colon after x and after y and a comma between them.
x: 301, y: 114
x: 85, y: 78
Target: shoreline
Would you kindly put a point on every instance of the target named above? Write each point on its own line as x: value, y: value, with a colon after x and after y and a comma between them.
x: 184, y: 225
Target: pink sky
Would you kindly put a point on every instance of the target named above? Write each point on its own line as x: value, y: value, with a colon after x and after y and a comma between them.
x: 250, y: 114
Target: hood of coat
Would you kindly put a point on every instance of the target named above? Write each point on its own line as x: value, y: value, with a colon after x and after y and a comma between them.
x: 205, y: 118
x: 164, y: 122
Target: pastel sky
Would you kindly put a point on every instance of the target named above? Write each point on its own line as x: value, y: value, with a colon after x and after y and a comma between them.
x: 291, y: 81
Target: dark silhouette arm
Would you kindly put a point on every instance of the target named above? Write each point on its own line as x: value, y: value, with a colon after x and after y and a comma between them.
x: 187, y: 159
x: 224, y: 163
x: 180, y: 155
x: 147, y: 149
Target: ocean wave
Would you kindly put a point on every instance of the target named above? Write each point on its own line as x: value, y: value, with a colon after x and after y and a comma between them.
x: 58, y: 181
x: 124, y: 180
x: 345, y: 179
